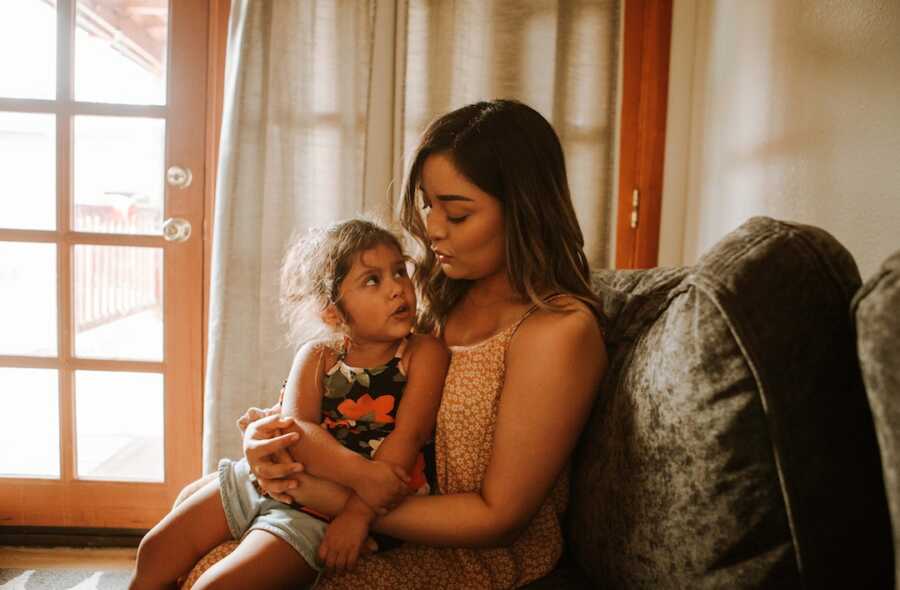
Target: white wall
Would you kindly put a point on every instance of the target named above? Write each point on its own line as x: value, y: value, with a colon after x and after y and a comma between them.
x: 786, y: 108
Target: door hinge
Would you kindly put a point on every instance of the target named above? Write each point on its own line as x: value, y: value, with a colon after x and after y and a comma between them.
x: 635, y: 201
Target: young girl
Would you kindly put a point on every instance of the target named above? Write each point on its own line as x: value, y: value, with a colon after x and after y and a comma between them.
x: 359, y: 407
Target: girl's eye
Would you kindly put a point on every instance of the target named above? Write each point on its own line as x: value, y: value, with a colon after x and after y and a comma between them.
x: 459, y: 219
x: 371, y: 281
x: 400, y: 272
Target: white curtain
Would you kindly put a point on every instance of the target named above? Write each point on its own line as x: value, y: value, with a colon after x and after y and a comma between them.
x: 325, y: 101
x: 559, y: 56
x: 293, y: 138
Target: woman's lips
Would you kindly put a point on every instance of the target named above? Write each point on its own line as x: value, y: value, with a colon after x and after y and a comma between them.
x: 442, y: 257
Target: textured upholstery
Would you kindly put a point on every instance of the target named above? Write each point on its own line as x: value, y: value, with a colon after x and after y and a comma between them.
x: 732, y: 445
x: 877, y: 310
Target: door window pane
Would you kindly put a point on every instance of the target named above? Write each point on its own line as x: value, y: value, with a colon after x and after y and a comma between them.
x: 118, y: 185
x: 120, y: 51
x: 27, y: 299
x: 28, y: 49
x: 119, y: 425
x: 118, y: 302
x: 29, y: 404
x: 27, y: 171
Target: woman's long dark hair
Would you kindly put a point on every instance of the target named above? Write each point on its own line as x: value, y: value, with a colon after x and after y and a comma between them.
x: 508, y: 150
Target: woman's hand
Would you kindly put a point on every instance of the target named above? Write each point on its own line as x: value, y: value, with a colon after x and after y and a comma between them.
x: 266, y: 451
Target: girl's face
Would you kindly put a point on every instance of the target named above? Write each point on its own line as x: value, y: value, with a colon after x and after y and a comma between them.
x: 377, y: 296
x: 464, y: 223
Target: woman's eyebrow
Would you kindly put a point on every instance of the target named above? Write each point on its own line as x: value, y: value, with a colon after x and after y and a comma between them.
x: 446, y: 198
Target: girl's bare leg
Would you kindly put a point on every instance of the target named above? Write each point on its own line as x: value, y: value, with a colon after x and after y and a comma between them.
x: 261, y: 561
x: 180, y: 539
x: 192, y: 487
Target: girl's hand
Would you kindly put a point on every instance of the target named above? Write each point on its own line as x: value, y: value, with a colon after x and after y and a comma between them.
x: 382, y: 486
x: 254, y: 414
x: 345, y: 538
x: 264, y: 446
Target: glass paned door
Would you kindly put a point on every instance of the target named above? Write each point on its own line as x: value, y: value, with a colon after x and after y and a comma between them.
x: 100, y: 308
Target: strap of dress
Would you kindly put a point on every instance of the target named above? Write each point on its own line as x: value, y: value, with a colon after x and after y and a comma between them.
x: 342, y: 353
x: 531, y: 310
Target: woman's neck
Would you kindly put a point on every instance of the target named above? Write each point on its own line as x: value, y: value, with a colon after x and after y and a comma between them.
x: 370, y: 353
x: 492, y: 290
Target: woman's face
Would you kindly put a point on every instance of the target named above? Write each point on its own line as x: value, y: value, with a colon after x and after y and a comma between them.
x: 464, y: 223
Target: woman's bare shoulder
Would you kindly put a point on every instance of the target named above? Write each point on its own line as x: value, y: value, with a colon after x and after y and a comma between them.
x: 570, y: 321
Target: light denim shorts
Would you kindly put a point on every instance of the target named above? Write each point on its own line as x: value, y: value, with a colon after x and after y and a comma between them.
x: 246, y: 509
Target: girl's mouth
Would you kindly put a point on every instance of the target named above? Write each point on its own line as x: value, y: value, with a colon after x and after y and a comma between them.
x: 401, y: 312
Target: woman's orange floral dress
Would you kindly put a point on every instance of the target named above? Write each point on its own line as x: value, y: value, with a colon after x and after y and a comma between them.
x: 464, y: 439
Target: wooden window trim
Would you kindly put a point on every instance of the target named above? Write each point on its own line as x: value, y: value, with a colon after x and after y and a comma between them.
x: 645, y: 83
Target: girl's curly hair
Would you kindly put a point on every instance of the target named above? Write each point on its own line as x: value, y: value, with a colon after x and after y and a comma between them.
x: 314, y: 266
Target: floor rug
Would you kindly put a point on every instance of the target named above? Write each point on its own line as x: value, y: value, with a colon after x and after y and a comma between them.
x: 56, y: 579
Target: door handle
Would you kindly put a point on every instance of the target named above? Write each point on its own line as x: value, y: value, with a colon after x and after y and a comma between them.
x: 175, y: 229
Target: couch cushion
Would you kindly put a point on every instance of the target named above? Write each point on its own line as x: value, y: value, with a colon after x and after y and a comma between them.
x: 877, y: 311
x: 731, y: 444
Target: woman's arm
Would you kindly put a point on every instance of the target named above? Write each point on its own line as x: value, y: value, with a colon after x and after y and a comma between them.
x: 543, y: 407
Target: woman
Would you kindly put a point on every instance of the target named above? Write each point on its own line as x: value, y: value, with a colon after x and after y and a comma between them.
x: 505, y: 283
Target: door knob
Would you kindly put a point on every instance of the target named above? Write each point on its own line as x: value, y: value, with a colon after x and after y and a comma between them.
x: 176, y: 229
x: 179, y: 177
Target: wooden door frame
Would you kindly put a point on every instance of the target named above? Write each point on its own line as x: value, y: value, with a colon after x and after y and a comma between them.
x: 645, y: 83
x: 68, y: 501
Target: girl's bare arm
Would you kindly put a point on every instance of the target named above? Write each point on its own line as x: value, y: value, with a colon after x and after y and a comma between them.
x: 427, y: 360
x: 320, y: 454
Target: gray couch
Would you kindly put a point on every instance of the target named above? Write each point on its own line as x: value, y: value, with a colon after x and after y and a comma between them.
x: 732, y: 444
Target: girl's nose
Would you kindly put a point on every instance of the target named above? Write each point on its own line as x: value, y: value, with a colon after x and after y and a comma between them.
x: 395, y: 289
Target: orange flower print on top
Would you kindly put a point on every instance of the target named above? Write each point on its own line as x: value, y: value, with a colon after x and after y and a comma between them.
x: 330, y: 424
x: 366, y: 409
x: 417, y: 482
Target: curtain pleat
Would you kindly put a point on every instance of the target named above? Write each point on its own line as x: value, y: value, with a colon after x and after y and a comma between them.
x: 560, y: 57
x: 293, y: 139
